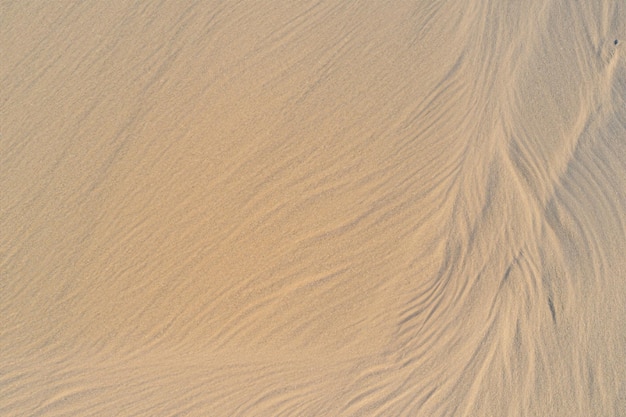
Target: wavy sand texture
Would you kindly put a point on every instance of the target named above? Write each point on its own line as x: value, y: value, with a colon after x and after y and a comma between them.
x: 312, y: 208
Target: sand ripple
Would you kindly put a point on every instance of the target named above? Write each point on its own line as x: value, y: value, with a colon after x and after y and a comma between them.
x: 312, y: 208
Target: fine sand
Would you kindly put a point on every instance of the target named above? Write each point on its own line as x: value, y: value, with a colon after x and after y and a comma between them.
x: 313, y: 208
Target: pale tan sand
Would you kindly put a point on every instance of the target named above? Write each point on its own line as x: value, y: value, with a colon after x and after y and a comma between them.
x: 312, y: 208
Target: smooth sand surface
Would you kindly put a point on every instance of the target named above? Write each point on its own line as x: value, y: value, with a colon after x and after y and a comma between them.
x: 313, y: 208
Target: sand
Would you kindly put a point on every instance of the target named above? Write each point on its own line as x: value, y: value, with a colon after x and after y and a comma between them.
x: 312, y: 208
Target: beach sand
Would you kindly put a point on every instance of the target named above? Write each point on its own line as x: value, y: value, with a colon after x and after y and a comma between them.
x: 313, y: 208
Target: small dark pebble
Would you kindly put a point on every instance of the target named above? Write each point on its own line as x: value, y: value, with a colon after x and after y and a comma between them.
x: 615, y: 42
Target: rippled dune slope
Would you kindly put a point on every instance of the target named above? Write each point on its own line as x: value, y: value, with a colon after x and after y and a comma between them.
x: 312, y: 208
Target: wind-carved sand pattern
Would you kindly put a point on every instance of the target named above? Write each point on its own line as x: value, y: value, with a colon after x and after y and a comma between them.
x: 314, y: 208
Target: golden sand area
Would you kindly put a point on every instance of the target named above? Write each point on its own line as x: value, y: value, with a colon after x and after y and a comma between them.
x: 313, y: 208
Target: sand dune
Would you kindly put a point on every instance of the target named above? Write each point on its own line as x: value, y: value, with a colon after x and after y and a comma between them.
x: 312, y: 208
